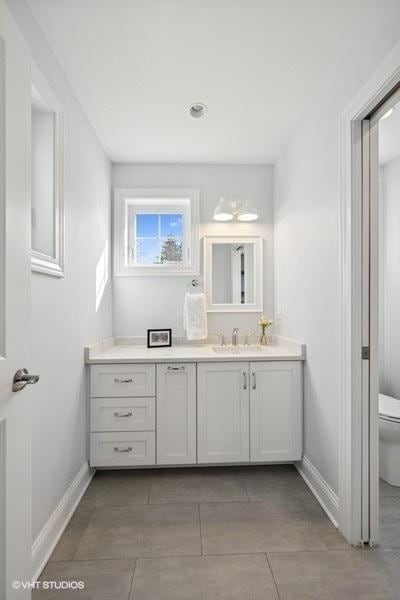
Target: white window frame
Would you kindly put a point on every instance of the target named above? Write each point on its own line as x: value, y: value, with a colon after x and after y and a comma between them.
x: 128, y: 201
x: 40, y: 262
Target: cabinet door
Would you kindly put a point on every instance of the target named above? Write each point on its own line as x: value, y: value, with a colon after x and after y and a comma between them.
x: 276, y: 411
x: 176, y: 414
x: 223, y: 412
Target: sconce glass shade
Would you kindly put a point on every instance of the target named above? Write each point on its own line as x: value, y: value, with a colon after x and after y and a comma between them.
x: 223, y: 211
x: 248, y: 211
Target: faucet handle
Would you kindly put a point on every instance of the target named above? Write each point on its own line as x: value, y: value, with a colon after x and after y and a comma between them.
x: 222, y: 339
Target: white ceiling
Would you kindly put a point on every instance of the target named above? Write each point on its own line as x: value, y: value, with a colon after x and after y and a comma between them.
x: 137, y: 65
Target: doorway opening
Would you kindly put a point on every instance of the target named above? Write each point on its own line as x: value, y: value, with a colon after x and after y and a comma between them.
x: 381, y: 321
x: 361, y: 292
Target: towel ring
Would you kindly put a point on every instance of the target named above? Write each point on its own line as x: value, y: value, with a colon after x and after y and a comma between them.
x: 195, y: 283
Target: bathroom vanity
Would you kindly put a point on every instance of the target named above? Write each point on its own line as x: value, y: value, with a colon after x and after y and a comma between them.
x: 199, y: 404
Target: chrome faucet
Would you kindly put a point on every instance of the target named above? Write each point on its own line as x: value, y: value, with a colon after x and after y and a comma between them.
x: 235, y: 337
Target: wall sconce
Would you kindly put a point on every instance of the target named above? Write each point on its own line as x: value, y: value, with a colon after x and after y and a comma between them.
x: 227, y: 210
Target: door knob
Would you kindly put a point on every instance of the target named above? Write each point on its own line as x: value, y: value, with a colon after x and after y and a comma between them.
x: 22, y: 378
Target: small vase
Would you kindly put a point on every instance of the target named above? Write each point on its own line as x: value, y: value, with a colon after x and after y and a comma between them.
x: 263, y: 338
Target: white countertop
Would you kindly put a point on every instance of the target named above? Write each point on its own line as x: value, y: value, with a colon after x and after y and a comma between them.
x: 121, y: 350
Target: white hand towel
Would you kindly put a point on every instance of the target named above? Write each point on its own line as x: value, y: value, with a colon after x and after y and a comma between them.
x: 195, y: 316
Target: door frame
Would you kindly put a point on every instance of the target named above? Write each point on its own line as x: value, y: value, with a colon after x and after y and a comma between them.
x: 358, y: 442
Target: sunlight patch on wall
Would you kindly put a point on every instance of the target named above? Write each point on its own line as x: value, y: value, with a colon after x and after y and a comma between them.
x: 102, y: 275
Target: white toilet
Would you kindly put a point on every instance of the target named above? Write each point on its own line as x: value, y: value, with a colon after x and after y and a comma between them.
x: 389, y: 439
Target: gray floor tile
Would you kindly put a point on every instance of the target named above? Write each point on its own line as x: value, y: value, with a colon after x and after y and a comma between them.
x: 118, y: 488
x: 72, y: 535
x: 140, y: 531
x: 200, y: 486
x: 396, y: 552
x: 103, y: 580
x: 269, y: 484
x: 328, y: 533
x: 336, y: 575
x: 245, y: 577
x: 245, y: 527
x: 282, y: 470
x: 385, y: 489
x: 389, y: 522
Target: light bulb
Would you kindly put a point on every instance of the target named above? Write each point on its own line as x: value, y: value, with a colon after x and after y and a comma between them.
x: 223, y: 211
x: 247, y: 211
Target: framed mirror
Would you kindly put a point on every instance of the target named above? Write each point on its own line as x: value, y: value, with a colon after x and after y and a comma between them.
x: 233, y: 274
x: 47, y: 158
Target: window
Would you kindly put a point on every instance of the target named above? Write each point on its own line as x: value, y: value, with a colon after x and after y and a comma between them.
x: 156, y: 232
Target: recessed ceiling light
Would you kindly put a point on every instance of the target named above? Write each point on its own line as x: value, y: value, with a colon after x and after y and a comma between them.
x: 197, y: 110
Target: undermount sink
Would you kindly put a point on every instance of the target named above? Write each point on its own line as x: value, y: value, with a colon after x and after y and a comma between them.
x: 237, y: 349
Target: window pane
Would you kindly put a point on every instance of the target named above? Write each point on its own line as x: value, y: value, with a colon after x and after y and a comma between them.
x: 147, y: 251
x: 171, y: 225
x: 147, y: 225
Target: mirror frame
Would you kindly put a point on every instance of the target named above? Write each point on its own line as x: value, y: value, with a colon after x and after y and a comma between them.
x: 209, y: 240
x: 40, y: 262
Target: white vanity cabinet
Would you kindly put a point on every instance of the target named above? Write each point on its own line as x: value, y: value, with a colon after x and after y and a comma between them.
x: 200, y: 412
x: 223, y: 412
x: 276, y: 411
x: 176, y: 414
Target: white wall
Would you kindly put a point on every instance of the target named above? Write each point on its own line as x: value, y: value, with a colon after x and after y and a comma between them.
x: 390, y: 262
x: 150, y: 302
x: 64, y: 316
x: 307, y: 196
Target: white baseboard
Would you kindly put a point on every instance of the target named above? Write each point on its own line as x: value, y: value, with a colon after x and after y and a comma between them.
x: 47, y: 539
x: 321, y: 490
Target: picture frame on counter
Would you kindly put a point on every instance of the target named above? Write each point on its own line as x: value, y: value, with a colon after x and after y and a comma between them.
x: 159, y: 338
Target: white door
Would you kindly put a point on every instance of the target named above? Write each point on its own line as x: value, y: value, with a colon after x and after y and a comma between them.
x: 276, y: 413
x: 223, y: 412
x: 176, y: 414
x: 15, y: 534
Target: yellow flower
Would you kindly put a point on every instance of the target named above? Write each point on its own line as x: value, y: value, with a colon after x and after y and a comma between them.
x: 263, y: 322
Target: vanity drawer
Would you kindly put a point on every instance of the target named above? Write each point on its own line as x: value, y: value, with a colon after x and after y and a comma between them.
x: 122, y: 449
x: 120, y: 381
x: 122, y: 414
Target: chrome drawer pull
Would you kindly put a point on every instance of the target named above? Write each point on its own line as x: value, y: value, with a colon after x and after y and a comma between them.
x: 244, y: 380
x: 128, y: 414
x: 129, y: 380
x: 176, y: 368
x: 128, y: 449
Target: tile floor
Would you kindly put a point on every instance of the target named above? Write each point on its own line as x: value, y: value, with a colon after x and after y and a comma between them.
x: 232, y: 533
